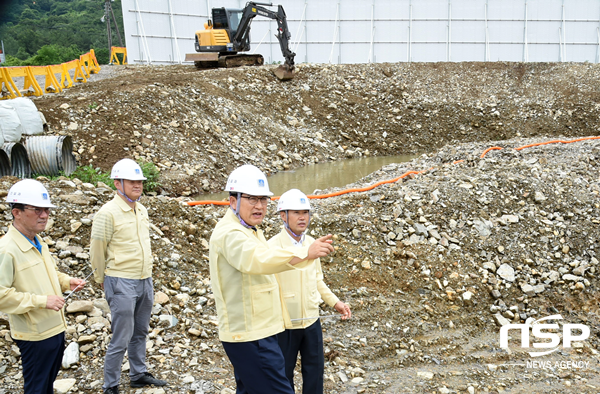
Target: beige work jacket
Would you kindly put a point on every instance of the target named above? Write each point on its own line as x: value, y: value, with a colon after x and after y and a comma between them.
x: 27, y: 278
x: 120, y: 241
x: 302, y: 290
x: 242, y: 264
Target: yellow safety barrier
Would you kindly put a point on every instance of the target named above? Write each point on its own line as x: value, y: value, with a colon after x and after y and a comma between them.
x: 7, y: 86
x: 89, y: 63
x: 80, y: 74
x: 28, y: 82
x: 65, y: 78
x: 114, y: 51
x: 83, y: 67
x: 50, y: 84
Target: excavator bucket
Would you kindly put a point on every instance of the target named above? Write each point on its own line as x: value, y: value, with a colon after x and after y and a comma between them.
x: 284, y: 72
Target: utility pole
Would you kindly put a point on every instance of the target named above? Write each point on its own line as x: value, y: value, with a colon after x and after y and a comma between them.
x: 107, y: 9
x: 116, y: 25
x: 108, y: 13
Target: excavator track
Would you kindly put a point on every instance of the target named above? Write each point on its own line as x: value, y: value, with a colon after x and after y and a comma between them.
x: 230, y: 61
x: 213, y: 60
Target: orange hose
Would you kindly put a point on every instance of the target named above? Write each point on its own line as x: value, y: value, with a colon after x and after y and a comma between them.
x: 488, y: 150
x: 319, y: 196
x: 207, y: 202
x: 367, y: 188
x: 557, y: 142
x: 364, y: 189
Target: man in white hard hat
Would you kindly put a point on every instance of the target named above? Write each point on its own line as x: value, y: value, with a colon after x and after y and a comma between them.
x: 31, y: 288
x: 249, y: 306
x: 120, y: 253
x: 302, y: 291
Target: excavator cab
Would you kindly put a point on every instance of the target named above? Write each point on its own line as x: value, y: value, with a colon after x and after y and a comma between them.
x: 218, y: 32
x: 229, y: 19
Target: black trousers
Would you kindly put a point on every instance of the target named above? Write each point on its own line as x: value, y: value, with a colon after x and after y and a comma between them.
x: 258, y: 367
x: 41, y: 362
x: 309, y: 343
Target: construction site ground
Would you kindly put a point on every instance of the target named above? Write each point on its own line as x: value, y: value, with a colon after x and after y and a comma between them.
x: 431, y: 265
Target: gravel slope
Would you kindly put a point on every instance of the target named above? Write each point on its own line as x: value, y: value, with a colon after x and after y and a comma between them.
x: 431, y: 265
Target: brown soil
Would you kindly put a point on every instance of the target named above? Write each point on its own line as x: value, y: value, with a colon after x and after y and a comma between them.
x: 211, y: 121
x: 408, y: 298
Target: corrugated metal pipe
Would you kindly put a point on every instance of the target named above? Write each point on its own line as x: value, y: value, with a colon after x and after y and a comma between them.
x: 49, y: 155
x: 4, y: 164
x: 19, y: 162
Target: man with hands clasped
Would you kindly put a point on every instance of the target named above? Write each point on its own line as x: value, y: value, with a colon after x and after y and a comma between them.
x: 121, y: 254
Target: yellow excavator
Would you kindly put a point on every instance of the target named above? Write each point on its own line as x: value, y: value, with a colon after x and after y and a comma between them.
x: 228, y: 33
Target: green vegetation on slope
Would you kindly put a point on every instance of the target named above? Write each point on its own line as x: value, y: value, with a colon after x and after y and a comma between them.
x: 45, y: 32
x: 93, y: 175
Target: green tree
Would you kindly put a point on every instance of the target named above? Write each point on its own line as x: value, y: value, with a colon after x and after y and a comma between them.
x: 28, y: 25
x: 29, y: 41
x: 102, y: 55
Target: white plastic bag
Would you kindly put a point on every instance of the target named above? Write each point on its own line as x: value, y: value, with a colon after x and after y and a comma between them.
x: 28, y: 113
x: 10, y: 124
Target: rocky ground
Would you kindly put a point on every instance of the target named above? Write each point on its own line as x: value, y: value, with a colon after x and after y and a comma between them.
x: 431, y: 265
x: 199, y: 125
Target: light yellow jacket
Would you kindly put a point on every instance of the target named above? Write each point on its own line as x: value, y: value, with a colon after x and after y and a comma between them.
x: 246, y: 294
x: 120, y: 241
x: 302, y: 290
x: 26, y: 280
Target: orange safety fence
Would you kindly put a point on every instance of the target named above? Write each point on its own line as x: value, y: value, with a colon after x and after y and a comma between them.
x: 83, y: 67
x: 373, y: 186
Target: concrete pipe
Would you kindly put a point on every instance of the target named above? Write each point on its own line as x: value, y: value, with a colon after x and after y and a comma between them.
x: 19, y: 162
x: 49, y: 155
x: 5, y: 169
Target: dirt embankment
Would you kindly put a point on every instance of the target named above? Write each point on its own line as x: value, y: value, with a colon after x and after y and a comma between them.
x: 431, y: 266
x: 199, y: 125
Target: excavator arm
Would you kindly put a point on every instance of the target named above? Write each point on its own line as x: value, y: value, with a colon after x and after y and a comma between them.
x: 251, y: 10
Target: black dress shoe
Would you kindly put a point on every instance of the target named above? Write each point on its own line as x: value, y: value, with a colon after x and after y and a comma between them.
x: 112, y: 390
x: 147, y: 380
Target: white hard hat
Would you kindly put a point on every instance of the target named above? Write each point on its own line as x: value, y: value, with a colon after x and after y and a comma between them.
x: 293, y: 200
x: 29, y: 192
x: 248, y: 179
x: 127, y: 169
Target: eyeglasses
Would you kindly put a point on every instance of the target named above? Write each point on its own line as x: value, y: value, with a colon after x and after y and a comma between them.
x: 38, y: 211
x: 254, y: 200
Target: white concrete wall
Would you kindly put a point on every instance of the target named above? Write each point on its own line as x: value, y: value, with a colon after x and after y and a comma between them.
x: 362, y: 31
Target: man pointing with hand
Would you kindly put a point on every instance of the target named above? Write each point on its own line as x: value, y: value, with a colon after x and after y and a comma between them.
x: 247, y: 297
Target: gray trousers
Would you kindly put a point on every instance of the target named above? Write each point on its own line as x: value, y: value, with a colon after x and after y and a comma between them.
x: 130, y: 302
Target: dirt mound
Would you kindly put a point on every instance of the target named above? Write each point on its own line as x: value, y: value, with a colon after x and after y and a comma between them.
x: 199, y: 125
x: 432, y: 265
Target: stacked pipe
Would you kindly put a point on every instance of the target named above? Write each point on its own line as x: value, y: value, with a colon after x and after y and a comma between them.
x: 5, y: 168
x: 41, y: 155
x: 19, y: 162
x: 51, y: 155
